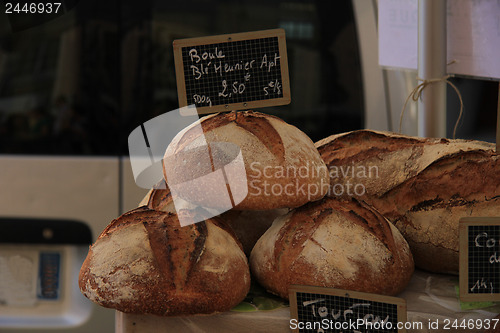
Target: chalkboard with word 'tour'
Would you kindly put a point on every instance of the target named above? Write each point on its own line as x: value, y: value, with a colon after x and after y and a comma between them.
x: 319, y: 309
x: 232, y: 72
x: 479, y: 259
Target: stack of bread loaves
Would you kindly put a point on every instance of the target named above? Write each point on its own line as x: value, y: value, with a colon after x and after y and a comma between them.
x: 424, y: 186
x: 145, y: 262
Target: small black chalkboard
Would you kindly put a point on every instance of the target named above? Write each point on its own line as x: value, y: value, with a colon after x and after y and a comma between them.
x: 232, y: 72
x: 318, y: 309
x: 480, y: 259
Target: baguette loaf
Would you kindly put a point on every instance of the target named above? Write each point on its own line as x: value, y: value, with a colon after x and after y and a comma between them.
x: 144, y: 262
x: 423, y: 185
x: 333, y: 243
x: 282, y: 167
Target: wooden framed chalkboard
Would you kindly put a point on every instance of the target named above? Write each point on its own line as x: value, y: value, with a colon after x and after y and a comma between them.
x: 316, y: 309
x: 232, y: 72
x: 479, y: 259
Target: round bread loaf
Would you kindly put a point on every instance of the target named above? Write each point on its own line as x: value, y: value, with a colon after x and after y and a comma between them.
x: 282, y: 168
x: 422, y: 185
x: 144, y: 262
x: 333, y: 243
x: 248, y: 225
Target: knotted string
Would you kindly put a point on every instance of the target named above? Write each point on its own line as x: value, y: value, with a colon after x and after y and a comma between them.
x: 416, y: 93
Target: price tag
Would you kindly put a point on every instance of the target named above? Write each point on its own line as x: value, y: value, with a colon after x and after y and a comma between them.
x: 480, y: 259
x: 232, y: 72
x: 318, y: 309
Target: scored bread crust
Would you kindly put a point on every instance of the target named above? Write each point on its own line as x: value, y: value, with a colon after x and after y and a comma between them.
x: 333, y: 243
x: 423, y: 185
x: 144, y: 262
x: 273, y: 153
x: 387, y: 158
x: 427, y: 208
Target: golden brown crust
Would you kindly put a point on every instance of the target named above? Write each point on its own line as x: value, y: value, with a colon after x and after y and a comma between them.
x: 273, y: 153
x: 333, y: 243
x: 144, y: 262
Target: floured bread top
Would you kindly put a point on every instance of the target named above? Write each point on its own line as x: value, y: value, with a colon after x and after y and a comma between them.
x: 223, y: 251
x: 124, y: 258
x: 257, y: 151
x: 145, y: 262
x: 342, y: 260
x: 335, y: 243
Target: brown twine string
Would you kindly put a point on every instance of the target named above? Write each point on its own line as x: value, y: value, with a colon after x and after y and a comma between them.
x: 417, y: 93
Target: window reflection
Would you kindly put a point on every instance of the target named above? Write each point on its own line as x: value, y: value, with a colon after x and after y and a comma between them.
x: 79, y: 83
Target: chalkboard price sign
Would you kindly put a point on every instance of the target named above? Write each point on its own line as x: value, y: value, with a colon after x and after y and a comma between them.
x: 232, y: 72
x: 480, y: 259
x: 318, y: 309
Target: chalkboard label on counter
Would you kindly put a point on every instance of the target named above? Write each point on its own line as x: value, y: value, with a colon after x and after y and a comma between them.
x: 232, y: 72
x: 480, y: 259
x: 318, y: 309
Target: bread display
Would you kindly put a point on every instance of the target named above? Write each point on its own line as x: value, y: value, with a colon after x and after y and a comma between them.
x: 400, y: 202
x: 144, y: 262
x: 333, y: 243
x: 282, y: 168
x: 424, y: 186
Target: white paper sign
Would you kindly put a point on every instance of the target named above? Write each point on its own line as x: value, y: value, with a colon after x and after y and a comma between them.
x: 398, y: 33
x: 473, y: 32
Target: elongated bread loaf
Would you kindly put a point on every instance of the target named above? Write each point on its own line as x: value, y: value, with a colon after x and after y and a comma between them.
x: 427, y: 208
x: 333, y: 243
x: 282, y: 168
x: 381, y: 160
x: 144, y: 262
x: 423, y: 185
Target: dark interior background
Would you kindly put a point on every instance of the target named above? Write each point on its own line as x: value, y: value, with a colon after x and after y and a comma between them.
x: 79, y: 83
